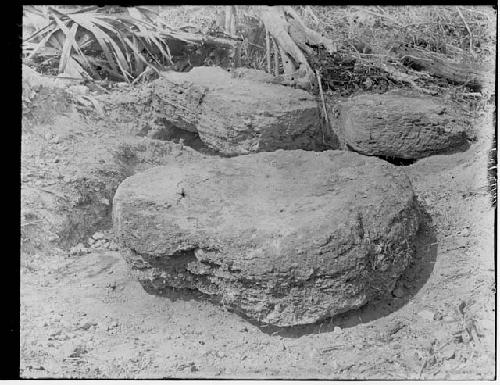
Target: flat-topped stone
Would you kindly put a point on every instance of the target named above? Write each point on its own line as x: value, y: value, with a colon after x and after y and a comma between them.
x: 285, y: 238
x: 237, y: 116
x: 400, y: 126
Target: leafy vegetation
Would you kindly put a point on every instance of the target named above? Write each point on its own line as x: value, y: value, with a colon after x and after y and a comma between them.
x: 125, y: 43
x: 459, y: 33
x: 93, y: 42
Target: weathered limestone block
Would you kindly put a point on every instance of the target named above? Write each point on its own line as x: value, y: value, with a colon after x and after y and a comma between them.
x: 285, y: 238
x: 240, y: 116
x: 400, y: 126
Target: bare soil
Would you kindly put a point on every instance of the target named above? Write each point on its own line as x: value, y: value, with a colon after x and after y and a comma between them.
x: 83, y: 316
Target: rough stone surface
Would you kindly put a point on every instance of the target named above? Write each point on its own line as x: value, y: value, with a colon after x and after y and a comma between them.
x: 176, y: 101
x: 285, y: 238
x: 239, y: 116
x: 400, y: 126
x: 255, y: 116
x: 205, y: 76
x: 253, y: 74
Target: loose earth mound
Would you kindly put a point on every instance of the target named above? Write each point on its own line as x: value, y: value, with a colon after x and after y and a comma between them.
x: 285, y: 238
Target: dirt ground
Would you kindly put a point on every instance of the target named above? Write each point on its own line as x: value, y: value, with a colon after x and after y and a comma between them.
x: 83, y: 316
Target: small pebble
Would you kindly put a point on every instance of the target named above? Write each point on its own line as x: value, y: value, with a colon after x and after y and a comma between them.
x: 55, y: 140
x: 398, y: 292
x: 465, y: 232
x: 53, y: 237
x: 448, y: 352
x: 111, y: 286
x: 465, y: 337
x: 101, y: 243
x: 87, y: 325
x: 98, y: 235
x: 113, y: 325
x: 78, y: 249
x: 485, y: 324
x: 337, y: 330
x: 426, y: 314
x: 79, y: 89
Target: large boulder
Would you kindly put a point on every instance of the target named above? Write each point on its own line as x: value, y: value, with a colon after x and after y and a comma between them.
x: 205, y: 76
x: 243, y: 115
x: 399, y: 126
x: 285, y: 238
x: 255, y: 116
x: 255, y: 75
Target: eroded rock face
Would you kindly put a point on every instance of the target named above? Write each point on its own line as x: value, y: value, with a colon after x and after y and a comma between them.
x: 255, y: 75
x: 285, y: 238
x: 400, y: 126
x: 205, y: 76
x: 255, y: 117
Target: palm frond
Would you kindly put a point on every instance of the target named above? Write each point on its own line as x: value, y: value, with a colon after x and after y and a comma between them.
x: 121, y: 38
x: 85, y: 20
x: 68, y: 44
x: 42, y: 43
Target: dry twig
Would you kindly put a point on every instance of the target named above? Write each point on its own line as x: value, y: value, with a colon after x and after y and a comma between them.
x: 268, y: 51
x: 325, y: 113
